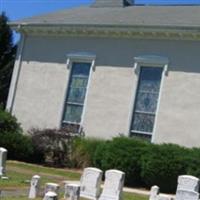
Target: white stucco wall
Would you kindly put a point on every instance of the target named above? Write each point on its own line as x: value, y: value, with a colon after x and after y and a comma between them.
x: 43, y: 82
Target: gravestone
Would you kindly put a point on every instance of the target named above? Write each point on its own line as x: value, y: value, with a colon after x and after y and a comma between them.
x: 52, y: 187
x: 186, y: 195
x: 186, y: 182
x: 154, y: 192
x: 72, y: 192
x: 188, y: 187
x: 113, y: 186
x: 50, y: 196
x: 90, y: 183
x: 35, y: 186
x: 3, y: 157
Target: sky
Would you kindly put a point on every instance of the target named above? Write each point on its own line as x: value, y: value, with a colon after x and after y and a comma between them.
x: 18, y: 9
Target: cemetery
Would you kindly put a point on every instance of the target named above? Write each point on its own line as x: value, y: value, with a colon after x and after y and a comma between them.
x: 119, y: 169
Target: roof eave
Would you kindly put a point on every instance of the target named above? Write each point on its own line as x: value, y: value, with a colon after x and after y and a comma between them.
x: 150, y: 31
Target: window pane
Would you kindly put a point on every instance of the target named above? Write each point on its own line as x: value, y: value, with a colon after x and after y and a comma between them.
x: 81, y: 69
x: 76, y: 95
x: 76, y: 92
x: 150, y: 79
x: 73, y: 113
x: 143, y: 122
x: 146, y: 102
x: 79, y: 82
x: 146, y: 99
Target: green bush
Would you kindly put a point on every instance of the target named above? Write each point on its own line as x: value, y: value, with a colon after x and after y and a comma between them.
x: 162, y: 164
x: 19, y: 146
x: 124, y: 154
x: 83, y: 151
x: 8, y: 123
x: 193, y: 160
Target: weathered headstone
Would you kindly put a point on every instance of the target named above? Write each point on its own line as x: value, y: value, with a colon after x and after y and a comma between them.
x: 90, y: 183
x: 186, y: 195
x: 50, y: 196
x: 35, y: 186
x: 3, y: 157
x: 113, y: 186
x: 188, y: 187
x: 154, y: 192
x: 186, y: 182
x: 52, y: 187
x: 72, y: 192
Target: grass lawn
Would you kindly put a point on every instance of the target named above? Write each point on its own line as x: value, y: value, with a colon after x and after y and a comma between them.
x: 19, y: 173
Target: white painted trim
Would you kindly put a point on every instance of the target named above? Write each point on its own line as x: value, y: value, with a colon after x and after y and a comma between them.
x: 158, y: 103
x: 86, y: 96
x: 148, y: 61
x: 151, y: 60
x: 15, y: 75
x: 84, y: 58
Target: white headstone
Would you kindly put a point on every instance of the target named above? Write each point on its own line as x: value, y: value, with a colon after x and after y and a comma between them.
x: 187, y: 195
x: 53, y: 187
x: 3, y: 157
x: 154, y: 192
x: 186, y: 182
x: 50, y: 196
x: 35, y: 186
x: 72, y: 192
x: 188, y: 187
x: 91, y: 183
x: 113, y: 186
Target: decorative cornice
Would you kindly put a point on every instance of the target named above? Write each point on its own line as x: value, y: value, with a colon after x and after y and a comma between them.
x: 142, y: 32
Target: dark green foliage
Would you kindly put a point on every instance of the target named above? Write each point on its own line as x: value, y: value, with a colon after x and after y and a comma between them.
x: 83, y: 151
x: 124, y: 154
x: 18, y: 145
x: 193, y: 160
x: 162, y: 164
x: 8, y: 123
x: 7, y: 57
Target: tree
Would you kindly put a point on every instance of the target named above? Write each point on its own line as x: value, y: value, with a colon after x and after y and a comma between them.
x: 7, y: 57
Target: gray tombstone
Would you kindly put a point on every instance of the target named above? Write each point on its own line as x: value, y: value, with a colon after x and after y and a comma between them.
x: 52, y: 187
x: 35, y: 186
x: 50, y: 196
x: 72, y: 192
x: 3, y: 157
x: 90, y: 183
x: 188, y: 187
x: 113, y: 186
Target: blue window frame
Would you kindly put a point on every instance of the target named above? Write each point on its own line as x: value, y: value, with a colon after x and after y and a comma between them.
x: 146, y: 101
x: 77, y: 89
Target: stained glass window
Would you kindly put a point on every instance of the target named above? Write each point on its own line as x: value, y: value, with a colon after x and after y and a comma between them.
x: 146, y: 101
x: 76, y: 92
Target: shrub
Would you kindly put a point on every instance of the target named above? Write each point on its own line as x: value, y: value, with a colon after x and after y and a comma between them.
x: 162, y: 164
x: 8, y: 123
x: 52, y: 146
x: 83, y: 151
x: 19, y: 146
x: 193, y: 160
x: 124, y: 154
